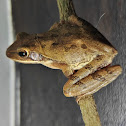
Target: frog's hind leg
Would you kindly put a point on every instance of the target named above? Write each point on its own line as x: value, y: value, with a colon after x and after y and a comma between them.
x: 94, y: 82
x: 99, y: 62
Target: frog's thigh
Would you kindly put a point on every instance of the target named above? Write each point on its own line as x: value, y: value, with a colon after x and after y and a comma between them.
x: 99, y: 61
x: 94, y: 82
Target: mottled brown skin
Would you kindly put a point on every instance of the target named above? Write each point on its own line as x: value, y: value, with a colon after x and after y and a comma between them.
x: 70, y: 46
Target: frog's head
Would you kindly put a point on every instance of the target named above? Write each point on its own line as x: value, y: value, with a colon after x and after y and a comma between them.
x: 26, y: 49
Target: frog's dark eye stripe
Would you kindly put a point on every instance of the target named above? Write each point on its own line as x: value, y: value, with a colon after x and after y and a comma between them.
x: 22, y: 53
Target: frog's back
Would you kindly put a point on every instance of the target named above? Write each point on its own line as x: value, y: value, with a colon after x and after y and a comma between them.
x: 72, y: 44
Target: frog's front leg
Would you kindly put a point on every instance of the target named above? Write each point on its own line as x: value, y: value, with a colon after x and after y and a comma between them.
x: 76, y: 86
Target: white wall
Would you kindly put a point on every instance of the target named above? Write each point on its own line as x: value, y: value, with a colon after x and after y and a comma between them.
x: 7, y: 81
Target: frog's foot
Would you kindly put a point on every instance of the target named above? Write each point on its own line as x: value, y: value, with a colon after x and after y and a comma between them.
x: 85, y: 81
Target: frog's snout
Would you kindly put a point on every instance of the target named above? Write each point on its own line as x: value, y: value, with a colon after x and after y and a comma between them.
x: 9, y: 52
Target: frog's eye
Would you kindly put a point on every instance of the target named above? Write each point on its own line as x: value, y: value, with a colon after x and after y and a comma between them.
x: 22, y: 53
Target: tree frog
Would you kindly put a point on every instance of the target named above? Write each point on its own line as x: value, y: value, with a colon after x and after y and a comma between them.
x: 75, y: 47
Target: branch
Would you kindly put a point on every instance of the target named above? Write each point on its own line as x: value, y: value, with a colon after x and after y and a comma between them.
x: 87, y: 104
x: 89, y: 111
x: 66, y: 9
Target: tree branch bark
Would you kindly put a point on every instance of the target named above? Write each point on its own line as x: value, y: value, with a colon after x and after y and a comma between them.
x: 66, y: 9
x: 89, y: 111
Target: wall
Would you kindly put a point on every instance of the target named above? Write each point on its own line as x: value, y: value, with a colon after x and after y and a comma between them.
x: 7, y: 68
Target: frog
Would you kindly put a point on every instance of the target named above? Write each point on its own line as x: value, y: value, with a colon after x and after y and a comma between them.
x: 77, y: 48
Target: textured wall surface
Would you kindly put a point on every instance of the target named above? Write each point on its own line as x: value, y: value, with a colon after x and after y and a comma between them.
x: 42, y: 100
